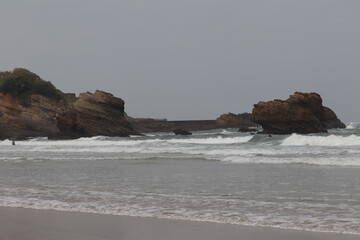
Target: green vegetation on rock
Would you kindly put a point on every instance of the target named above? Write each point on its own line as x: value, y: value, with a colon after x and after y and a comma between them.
x: 22, y: 83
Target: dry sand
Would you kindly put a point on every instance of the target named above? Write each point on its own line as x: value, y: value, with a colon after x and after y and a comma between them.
x: 29, y: 224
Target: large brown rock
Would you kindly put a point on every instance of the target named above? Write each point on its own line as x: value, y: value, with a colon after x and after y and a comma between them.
x: 301, y: 113
x: 33, y: 118
x: 94, y: 114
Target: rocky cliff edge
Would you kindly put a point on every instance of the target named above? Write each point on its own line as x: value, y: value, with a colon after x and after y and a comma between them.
x: 94, y: 114
x: 34, y: 119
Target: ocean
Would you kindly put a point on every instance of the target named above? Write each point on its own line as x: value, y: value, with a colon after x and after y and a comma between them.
x: 307, y: 182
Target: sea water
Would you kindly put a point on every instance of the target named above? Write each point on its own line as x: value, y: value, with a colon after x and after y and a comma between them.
x: 309, y: 182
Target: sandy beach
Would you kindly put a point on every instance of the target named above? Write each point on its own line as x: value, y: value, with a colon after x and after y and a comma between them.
x: 30, y: 224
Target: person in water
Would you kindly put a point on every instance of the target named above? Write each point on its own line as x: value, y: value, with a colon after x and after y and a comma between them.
x: 13, y: 142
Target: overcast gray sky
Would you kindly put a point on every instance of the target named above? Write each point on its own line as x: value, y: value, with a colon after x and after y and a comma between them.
x: 189, y: 59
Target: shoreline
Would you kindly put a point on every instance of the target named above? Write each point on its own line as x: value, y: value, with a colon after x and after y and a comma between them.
x: 34, y: 224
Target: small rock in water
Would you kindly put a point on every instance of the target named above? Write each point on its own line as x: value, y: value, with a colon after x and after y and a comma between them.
x: 179, y: 131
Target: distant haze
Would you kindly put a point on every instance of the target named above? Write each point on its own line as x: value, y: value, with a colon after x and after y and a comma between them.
x: 189, y: 59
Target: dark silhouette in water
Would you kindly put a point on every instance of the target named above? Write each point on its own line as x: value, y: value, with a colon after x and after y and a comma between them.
x: 179, y: 131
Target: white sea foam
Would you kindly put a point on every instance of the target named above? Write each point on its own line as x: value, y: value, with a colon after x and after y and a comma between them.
x: 103, y: 141
x: 322, y: 161
x: 5, y: 142
x: 213, y: 140
x: 353, y: 125
x: 331, y: 140
x: 329, y: 150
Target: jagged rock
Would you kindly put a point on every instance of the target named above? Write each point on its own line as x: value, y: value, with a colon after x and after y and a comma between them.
x: 179, y: 131
x: 36, y: 118
x: 94, y: 114
x: 301, y: 113
x: 330, y: 119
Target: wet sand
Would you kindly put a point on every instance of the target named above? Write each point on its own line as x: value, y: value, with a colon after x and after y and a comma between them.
x: 30, y: 224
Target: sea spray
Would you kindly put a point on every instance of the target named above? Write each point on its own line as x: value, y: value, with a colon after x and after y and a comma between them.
x: 353, y: 125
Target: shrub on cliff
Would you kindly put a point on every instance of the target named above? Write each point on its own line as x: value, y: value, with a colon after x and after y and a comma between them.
x: 21, y: 83
x: 2, y: 75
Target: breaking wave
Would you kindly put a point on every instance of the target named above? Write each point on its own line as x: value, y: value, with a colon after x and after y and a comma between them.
x: 107, y: 141
x: 226, y: 177
x: 232, y: 147
x: 331, y: 140
x: 353, y: 125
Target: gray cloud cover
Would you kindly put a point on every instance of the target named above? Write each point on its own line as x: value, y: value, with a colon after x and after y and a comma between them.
x: 189, y: 59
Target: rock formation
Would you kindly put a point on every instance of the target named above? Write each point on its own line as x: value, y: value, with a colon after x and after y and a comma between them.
x: 301, y: 113
x: 36, y: 118
x: 94, y: 114
x: 32, y: 107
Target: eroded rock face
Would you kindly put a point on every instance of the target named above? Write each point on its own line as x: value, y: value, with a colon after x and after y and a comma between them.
x: 36, y: 118
x: 330, y: 119
x: 301, y: 113
x: 94, y: 114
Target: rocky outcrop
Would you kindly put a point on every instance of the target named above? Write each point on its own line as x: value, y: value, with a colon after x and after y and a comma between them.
x: 33, y: 118
x: 94, y: 114
x: 90, y: 115
x: 231, y: 120
x: 330, y: 119
x: 301, y: 113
